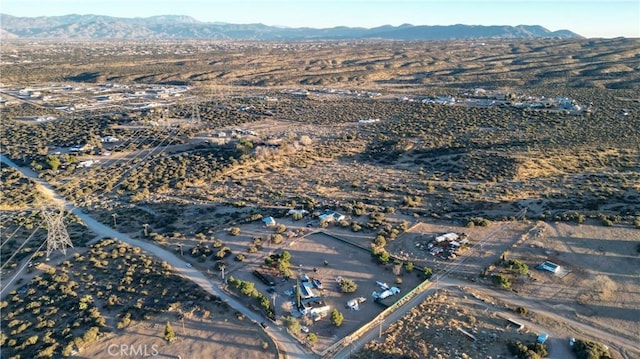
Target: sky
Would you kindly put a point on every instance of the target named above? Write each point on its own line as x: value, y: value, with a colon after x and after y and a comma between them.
x: 589, y: 18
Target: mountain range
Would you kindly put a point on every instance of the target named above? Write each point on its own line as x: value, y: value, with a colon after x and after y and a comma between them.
x: 186, y: 27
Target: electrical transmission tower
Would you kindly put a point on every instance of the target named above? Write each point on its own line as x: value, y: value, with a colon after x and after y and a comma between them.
x: 195, y: 115
x: 57, y: 235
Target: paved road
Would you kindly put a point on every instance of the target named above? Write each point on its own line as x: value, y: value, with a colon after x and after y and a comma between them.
x: 288, y: 345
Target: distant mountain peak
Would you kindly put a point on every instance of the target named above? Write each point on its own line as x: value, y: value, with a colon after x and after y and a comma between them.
x: 182, y: 26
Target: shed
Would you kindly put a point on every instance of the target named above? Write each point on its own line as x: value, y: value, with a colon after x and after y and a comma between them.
x: 447, y: 237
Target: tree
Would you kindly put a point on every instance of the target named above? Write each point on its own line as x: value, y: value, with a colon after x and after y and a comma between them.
x: 312, y: 338
x: 348, y: 285
x: 292, y: 325
x: 408, y: 266
x: 169, y: 334
x: 336, y: 318
x: 53, y: 162
x: 383, y: 257
x: 280, y: 228
x: 501, y: 281
x: 428, y: 272
x: 590, y: 350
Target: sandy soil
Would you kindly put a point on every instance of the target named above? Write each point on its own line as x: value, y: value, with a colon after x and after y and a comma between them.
x: 604, y: 282
x: 434, y: 329
x: 221, y: 335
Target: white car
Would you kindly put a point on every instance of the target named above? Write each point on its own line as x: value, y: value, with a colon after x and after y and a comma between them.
x: 572, y: 341
x: 188, y: 265
x: 304, y: 329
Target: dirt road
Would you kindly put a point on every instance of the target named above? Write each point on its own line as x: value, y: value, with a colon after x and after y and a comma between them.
x: 286, y: 343
x: 558, y: 341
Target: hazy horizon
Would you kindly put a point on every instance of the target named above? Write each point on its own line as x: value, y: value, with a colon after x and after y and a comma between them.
x: 586, y: 18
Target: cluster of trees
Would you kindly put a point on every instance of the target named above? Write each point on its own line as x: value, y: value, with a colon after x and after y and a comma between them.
x: 63, y: 309
x: 528, y: 351
x: 248, y: 289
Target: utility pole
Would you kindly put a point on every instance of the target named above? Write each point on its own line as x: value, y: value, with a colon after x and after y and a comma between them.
x: 181, y: 254
x: 145, y: 226
x: 57, y: 235
x: 380, y: 331
x: 114, y: 215
x: 222, y: 268
x: 274, y: 295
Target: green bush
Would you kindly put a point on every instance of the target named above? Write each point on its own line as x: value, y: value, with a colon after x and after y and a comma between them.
x: 590, y: 350
x: 428, y: 272
x: 348, y: 285
x: 501, y: 281
x: 336, y: 318
x: 531, y: 351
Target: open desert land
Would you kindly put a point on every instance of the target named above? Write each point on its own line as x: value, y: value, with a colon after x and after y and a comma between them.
x: 529, y: 147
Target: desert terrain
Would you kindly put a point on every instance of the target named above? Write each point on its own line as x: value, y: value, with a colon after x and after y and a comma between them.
x: 528, y: 147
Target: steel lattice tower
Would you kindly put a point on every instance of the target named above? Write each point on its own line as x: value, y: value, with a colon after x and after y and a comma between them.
x: 57, y: 235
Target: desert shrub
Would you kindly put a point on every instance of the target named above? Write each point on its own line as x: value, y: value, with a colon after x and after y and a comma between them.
x: 234, y: 231
x: 297, y: 216
x: 169, y: 334
x: 281, y: 228
x: 479, y: 221
x: 292, y: 324
x: 590, y: 350
x: 409, y: 266
x: 411, y: 201
x: 531, y: 351
x: 276, y: 238
x: 383, y: 257
x: 379, y: 241
x: 521, y: 310
x: 636, y: 222
x: 240, y: 257
x: 501, y: 281
x: 516, y: 267
x: 312, y: 338
x: 336, y: 318
x: 428, y: 272
x: 348, y: 285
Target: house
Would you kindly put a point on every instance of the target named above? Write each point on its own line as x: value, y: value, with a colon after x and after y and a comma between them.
x: 549, y: 266
x: 269, y: 221
x: 306, y: 291
x: 331, y: 216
